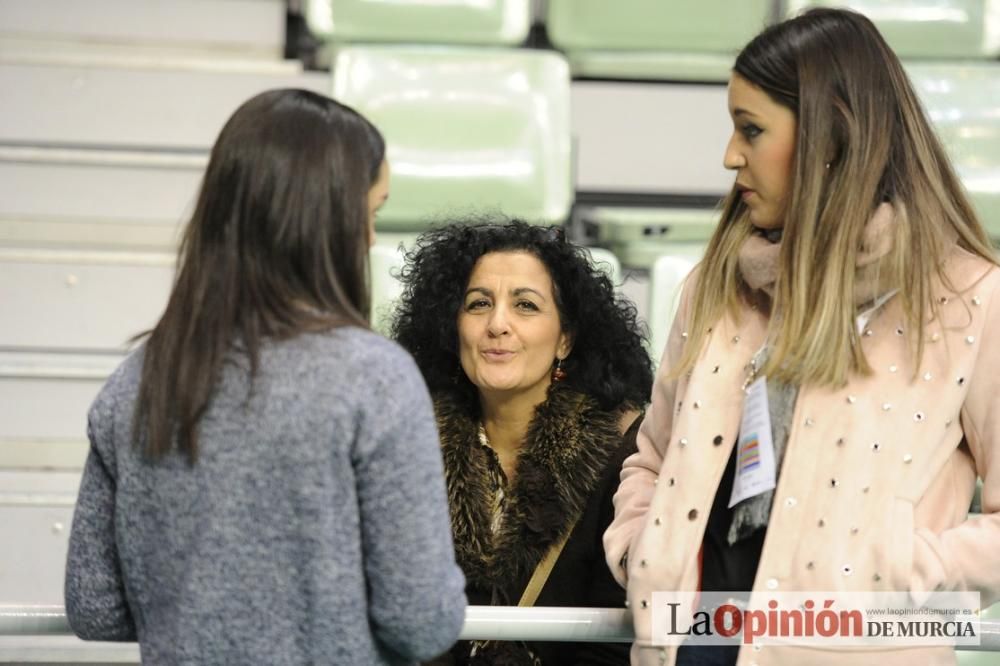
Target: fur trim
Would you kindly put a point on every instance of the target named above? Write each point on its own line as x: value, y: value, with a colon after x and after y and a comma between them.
x: 568, y: 446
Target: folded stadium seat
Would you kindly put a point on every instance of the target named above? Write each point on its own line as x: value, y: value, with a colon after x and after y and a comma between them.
x: 927, y: 29
x: 639, y: 236
x: 469, y: 130
x: 499, y: 22
x: 682, y: 40
x: 665, y: 281
x: 962, y: 101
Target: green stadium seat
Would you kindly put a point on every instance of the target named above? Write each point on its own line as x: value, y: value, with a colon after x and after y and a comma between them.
x: 639, y: 236
x: 469, y: 130
x: 681, y: 40
x: 665, y: 281
x: 500, y: 22
x: 931, y: 29
x: 962, y: 102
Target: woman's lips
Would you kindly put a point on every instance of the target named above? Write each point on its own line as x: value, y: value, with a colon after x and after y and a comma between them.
x: 497, y: 354
x: 746, y: 194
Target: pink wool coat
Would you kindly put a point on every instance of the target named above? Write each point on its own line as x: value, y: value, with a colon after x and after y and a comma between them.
x: 876, y: 482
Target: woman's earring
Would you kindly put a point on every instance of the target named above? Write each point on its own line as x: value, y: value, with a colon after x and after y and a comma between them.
x: 558, y: 374
x: 828, y: 165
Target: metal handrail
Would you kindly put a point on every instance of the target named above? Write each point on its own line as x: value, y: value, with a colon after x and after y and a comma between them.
x: 506, y: 623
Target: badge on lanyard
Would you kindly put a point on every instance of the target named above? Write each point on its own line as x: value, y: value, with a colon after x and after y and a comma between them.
x: 755, y: 468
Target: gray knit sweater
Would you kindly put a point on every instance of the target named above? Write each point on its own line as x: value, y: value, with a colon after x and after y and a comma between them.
x: 313, y: 529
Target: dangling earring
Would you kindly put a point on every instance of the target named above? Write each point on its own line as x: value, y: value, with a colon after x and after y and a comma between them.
x: 558, y: 374
x: 828, y: 166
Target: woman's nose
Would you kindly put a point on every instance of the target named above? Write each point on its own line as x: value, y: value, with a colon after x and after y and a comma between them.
x: 498, y: 322
x: 733, y: 158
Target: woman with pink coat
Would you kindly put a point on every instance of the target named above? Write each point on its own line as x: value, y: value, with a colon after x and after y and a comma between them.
x: 849, y: 296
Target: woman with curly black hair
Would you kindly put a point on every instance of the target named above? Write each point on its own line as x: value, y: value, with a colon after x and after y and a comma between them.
x: 538, y: 372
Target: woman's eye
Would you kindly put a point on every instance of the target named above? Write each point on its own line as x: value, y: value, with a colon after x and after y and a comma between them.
x: 751, y: 131
x: 527, y: 305
x: 477, y: 304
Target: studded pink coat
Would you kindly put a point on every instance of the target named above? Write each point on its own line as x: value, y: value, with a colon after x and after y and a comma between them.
x: 877, y: 477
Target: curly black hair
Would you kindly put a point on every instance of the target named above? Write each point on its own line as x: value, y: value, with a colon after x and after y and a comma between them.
x: 608, y: 361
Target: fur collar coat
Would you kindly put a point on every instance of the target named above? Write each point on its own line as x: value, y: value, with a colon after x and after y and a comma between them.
x: 567, y: 473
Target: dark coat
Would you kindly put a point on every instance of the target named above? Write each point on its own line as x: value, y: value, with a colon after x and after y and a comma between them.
x: 568, y: 467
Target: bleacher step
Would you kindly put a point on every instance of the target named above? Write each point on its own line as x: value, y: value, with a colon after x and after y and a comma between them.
x: 115, y: 108
x: 251, y: 29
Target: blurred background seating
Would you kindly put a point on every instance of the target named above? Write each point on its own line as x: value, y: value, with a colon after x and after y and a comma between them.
x: 682, y: 40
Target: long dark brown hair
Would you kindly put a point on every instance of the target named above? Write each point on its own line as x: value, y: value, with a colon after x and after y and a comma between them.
x: 277, y: 245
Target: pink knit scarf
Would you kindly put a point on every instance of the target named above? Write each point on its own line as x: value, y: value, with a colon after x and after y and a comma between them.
x: 758, y: 259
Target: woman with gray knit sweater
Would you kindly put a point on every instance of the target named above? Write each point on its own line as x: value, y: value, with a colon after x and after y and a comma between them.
x: 264, y: 484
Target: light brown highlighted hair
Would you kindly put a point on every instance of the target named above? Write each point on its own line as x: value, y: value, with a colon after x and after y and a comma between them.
x: 856, y: 110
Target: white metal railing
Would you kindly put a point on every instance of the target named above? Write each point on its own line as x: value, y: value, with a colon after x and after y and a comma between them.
x: 481, y: 622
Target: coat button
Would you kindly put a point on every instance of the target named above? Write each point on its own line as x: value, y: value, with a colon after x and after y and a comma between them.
x: 718, y: 440
x: 692, y: 514
x: 772, y: 583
